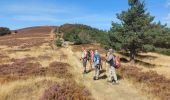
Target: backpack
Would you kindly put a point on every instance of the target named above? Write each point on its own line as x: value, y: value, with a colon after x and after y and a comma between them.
x: 117, y: 62
x: 96, y: 59
x: 84, y: 55
x: 88, y: 55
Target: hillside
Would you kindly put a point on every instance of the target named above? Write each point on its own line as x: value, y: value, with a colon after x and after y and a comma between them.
x: 37, y: 69
x: 31, y: 69
x: 36, y: 29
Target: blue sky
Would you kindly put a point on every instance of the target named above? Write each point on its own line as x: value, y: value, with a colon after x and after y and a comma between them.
x: 17, y: 14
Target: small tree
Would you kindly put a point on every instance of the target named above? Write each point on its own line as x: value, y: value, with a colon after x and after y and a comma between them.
x: 59, y: 42
x: 132, y: 33
x: 4, y: 31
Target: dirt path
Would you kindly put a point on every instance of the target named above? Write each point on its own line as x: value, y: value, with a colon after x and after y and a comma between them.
x: 100, y: 89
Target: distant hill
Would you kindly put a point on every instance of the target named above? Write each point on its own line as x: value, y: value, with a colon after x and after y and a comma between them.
x: 36, y: 29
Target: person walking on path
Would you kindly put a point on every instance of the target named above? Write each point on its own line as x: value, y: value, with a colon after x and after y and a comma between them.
x: 84, y: 60
x: 97, y: 65
x: 112, y: 70
x: 101, y: 63
x: 91, y: 58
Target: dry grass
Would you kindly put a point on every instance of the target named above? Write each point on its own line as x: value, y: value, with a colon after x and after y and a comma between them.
x: 160, y: 63
x: 4, y: 58
x: 30, y: 89
x: 22, y: 69
x: 35, y: 72
x: 32, y: 67
x: 152, y: 62
x: 87, y: 46
x: 154, y: 58
x: 24, y: 43
x: 157, y: 85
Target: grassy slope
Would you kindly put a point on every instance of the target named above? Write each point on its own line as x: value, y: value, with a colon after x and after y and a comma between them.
x: 22, y: 84
x: 35, y: 86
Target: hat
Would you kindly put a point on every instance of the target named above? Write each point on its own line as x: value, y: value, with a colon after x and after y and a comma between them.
x: 111, y: 50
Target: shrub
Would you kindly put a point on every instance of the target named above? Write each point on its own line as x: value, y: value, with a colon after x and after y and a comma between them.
x: 68, y: 90
x: 148, y: 48
x: 81, y: 34
x: 163, y: 51
x: 4, y: 31
x: 59, y: 42
x: 72, y: 38
x: 59, y: 69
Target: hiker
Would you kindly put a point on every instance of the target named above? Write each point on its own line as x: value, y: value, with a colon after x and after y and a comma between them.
x: 101, y: 63
x: 91, y: 58
x: 112, y: 70
x: 106, y: 63
x: 84, y: 60
x: 96, y: 65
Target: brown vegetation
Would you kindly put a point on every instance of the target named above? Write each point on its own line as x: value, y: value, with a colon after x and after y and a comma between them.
x: 61, y: 69
x: 3, y: 56
x: 68, y: 90
x: 41, y: 31
x: 27, y: 78
x: 157, y: 85
x: 44, y: 57
x: 37, y: 29
x: 22, y: 68
x: 23, y: 43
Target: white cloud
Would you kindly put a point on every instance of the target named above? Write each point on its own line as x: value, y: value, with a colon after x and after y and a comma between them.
x: 36, y: 9
x: 55, y: 18
x: 93, y: 17
x: 168, y: 18
x: 35, y: 18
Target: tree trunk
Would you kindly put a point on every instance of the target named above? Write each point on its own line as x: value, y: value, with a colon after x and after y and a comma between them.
x: 132, y: 56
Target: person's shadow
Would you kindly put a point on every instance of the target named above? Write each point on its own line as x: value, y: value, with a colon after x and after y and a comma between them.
x: 119, y: 77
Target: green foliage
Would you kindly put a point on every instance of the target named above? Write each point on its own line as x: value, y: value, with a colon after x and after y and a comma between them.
x: 59, y: 42
x: 132, y: 33
x: 4, y: 31
x: 79, y: 33
x: 163, y: 51
x: 115, y: 36
x: 148, y: 48
x: 160, y: 36
x: 72, y: 38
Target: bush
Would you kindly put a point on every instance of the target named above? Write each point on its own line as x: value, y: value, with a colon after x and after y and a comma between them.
x: 68, y: 90
x: 59, y: 42
x: 163, y: 51
x: 4, y: 31
x: 148, y: 48
x: 72, y: 38
x: 81, y: 34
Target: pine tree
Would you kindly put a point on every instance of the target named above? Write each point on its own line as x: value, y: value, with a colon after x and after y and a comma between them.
x: 135, y: 23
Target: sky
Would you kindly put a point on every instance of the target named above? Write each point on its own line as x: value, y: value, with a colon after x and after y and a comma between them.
x: 16, y: 14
